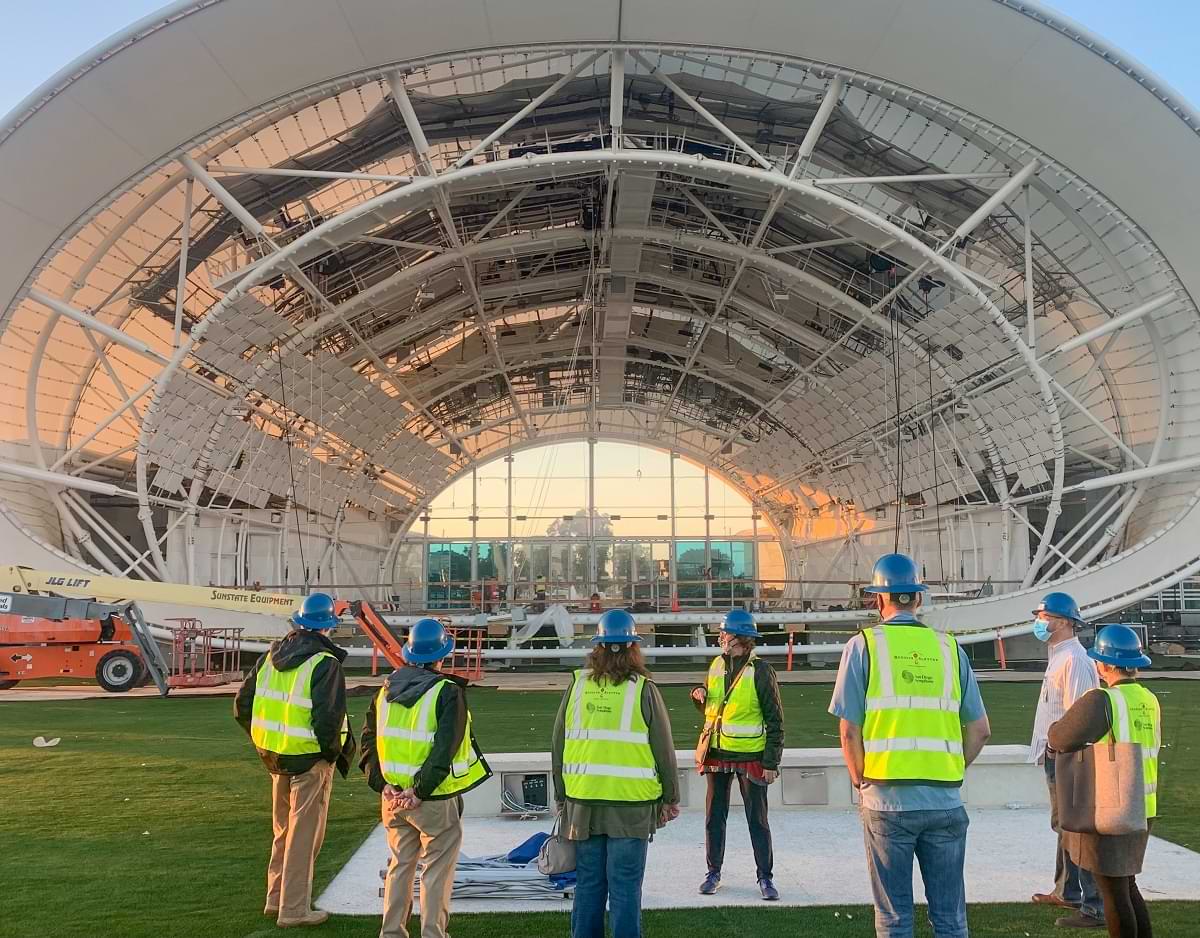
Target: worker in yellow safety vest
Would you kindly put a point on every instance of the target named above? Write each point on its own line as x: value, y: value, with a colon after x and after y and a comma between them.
x: 911, y: 721
x: 420, y: 754
x: 743, y: 739
x: 615, y: 777
x: 1122, y: 711
x: 293, y: 706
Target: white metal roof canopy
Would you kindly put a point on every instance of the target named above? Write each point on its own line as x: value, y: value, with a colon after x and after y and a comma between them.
x: 336, y: 255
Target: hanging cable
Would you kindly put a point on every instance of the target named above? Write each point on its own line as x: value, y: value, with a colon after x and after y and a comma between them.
x: 899, y: 435
x: 925, y: 287
x: 287, y: 436
x: 318, y: 432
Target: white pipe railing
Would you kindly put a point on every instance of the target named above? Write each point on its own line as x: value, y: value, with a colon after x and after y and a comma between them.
x: 690, y: 651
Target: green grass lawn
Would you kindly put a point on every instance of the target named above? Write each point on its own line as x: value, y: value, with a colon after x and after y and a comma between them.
x: 151, y: 818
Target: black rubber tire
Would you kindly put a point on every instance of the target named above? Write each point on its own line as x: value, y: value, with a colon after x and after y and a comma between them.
x: 119, y: 671
x: 8, y: 685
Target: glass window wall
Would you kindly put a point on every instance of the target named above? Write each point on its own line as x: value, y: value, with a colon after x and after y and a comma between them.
x: 538, y: 527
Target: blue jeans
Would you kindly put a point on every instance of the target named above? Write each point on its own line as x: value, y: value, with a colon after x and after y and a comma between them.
x: 938, y: 839
x: 608, y: 869
x: 1072, y: 884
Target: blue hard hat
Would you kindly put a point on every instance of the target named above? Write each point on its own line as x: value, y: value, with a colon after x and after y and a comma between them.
x: 428, y: 641
x: 1059, y: 604
x: 1119, y: 645
x: 616, y: 627
x: 895, y: 573
x: 739, y: 622
x: 316, y: 612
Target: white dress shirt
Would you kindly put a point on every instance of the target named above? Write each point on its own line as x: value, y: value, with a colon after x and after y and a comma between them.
x: 1070, y: 674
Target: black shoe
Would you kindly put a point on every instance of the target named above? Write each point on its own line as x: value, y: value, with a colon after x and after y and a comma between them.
x: 712, y: 882
x: 768, y: 890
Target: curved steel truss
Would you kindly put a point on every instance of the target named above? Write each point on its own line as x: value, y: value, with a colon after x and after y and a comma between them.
x: 849, y: 297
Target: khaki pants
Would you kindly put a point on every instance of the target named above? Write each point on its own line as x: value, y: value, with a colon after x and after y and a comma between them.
x: 433, y: 833
x: 300, y: 804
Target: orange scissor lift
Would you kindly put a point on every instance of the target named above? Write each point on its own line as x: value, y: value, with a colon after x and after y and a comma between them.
x: 466, y: 661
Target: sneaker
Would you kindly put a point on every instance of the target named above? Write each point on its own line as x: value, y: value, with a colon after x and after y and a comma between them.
x: 312, y: 917
x: 271, y: 910
x: 1079, y: 920
x: 712, y: 882
x: 768, y: 890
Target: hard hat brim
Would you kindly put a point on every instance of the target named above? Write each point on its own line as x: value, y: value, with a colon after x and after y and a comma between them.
x: 742, y: 631
x: 1061, y: 615
x: 414, y: 657
x: 902, y: 588
x: 308, y: 623
x: 1142, y: 661
x: 615, y: 640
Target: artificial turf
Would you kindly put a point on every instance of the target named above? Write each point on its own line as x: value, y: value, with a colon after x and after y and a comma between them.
x: 151, y: 818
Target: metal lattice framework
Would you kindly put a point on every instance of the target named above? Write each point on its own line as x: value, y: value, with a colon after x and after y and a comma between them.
x: 849, y: 294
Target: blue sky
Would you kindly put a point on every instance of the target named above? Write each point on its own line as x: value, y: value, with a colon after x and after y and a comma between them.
x: 40, y: 38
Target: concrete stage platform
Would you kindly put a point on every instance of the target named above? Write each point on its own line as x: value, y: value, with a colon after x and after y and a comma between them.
x: 819, y: 861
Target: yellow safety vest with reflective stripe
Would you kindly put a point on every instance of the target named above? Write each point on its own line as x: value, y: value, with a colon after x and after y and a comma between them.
x: 281, y: 719
x: 742, y: 728
x: 1137, y: 718
x: 404, y: 740
x: 606, y: 753
x: 912, y: 730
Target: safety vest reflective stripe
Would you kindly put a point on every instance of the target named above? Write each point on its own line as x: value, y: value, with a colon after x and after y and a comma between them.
x: 272, y: 726
x: 613, y: 771
x: 881, y: 660
x: 294, y: 698
x: 417, y: 736
x: 1120, y: 716
x: 403, y: 769
x: 398, y: 768
x: 945, y: 704
x: 913, y: 744
x: 741, y: 729
x: 609, y: 736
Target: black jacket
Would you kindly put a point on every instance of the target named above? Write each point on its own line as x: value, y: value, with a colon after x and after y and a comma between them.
x: 405, y: 686
x: 328, y: 697
x: 767, y: 688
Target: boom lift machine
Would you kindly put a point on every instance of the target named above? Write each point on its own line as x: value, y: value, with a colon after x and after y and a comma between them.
x: 51, y: 636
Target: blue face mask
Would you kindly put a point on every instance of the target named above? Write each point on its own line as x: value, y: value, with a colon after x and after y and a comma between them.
x: 1041, y: 630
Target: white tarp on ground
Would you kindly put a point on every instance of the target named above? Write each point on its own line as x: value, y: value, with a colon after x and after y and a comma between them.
x: 818, y: 861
